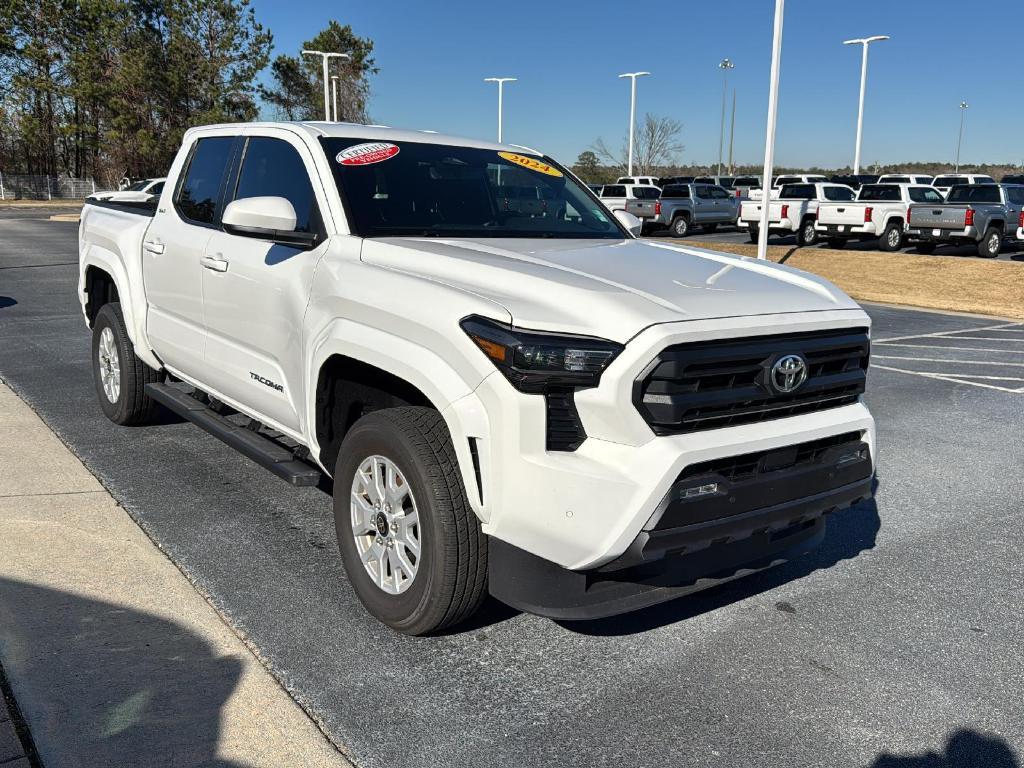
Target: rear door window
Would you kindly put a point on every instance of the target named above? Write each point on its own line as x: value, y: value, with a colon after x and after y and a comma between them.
x: 273, y: 168
x: 198, y: 197
x: 704, y: 193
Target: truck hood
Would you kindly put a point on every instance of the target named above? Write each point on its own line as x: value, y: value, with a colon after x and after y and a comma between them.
x: 608, y: 288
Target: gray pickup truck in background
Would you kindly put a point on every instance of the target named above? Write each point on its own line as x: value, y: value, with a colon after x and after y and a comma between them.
x: 683, y: 206
x: 981, y: 214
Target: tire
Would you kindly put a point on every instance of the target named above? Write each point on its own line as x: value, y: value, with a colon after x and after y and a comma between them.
x: 925, y: 248
x: 447, y: 581
x: 710, y: 228
x: 991, y: 243
x: 753, y: 234
x: 680, y: 226
x: 892, y: 237
x: 807, y: 234
x: 120, y: 376
x: 837, y: 242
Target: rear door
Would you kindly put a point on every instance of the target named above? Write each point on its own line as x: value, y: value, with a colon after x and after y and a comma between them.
x: 172, y: 250
x: 704, y: 208
x: 256, y: 291
x: 725, y: 205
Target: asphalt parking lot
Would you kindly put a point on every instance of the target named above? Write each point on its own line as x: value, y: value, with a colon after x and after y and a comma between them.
x: 899, y: 636
x: 730, y: 234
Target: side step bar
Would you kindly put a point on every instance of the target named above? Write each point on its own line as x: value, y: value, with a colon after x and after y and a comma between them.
x: 262, y: 450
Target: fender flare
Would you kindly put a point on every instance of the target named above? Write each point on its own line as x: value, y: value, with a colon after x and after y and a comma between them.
x: 424, y: 369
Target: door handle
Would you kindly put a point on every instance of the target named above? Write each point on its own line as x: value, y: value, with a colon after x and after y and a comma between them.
x: 153, y: 247
x: 214, y: 263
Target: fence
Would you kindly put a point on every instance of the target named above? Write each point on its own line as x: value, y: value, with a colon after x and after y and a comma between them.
x: 24, y: 187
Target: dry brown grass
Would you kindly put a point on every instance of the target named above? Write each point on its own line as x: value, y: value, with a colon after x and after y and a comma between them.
x: 957, y: 284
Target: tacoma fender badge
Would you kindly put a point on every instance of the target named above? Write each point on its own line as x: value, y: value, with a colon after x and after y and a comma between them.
x: 266, y: 382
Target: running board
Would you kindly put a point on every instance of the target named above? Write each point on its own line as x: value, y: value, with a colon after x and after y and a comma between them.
x: 264, y: 451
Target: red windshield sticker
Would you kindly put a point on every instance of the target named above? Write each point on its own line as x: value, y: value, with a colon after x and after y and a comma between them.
x: 366, y: 154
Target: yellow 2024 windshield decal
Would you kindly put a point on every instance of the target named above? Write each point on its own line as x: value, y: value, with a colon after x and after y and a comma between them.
x: 530, y: 162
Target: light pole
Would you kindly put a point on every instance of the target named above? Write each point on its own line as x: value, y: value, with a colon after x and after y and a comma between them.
x: 501, y: 96
x: 725, y: 65
x: 769, y: 141
x: 864, y: 42
x: 960, y: 138
x: 732, y: 129
x: 632, y: 115
x: 334, y: 97
x: 326, y: 56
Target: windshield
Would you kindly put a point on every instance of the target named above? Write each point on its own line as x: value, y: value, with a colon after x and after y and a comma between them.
x: 412, y: 189
x: 138, y: 186
x: 974, y: 193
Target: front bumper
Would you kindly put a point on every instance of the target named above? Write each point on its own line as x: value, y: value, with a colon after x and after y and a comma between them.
x: 583, y: 509
x: 665, y: 564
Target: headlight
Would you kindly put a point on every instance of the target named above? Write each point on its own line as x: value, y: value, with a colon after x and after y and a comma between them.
x: 535, y: 361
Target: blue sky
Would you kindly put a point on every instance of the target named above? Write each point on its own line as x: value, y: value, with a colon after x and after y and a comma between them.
x: 567, y: 54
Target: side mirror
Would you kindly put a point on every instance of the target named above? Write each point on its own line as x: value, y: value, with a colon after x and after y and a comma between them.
x: 630, y: 222
x: 265, y: 218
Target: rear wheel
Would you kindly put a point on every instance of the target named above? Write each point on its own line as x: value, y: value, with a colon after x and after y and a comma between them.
x: 892, y: 237
x: 754, y: 233
x: 807, y: 234
x: 412, y: 546
x: 680, y: 226
x: 925, y: 248
x: 991, y: 243
x: 120, y: 376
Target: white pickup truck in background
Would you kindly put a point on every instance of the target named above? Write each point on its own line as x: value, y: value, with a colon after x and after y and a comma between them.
x: 638, y: 199
x: 880, y: 212
x: 947, y: 181
x: 781, y: 181
x: 523, y: 399
x: 795, y: 210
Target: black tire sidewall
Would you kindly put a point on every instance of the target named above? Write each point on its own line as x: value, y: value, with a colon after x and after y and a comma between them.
x: 884, y: 244
x: 110, y: 317
x: 680, y: 221
x: 984, y: 250
x: 370, y: 436
x: 807, y: 239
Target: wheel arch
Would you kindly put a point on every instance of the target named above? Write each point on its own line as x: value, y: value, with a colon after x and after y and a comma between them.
x: 356, y: 369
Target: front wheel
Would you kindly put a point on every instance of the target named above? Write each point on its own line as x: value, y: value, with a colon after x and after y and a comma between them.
x: 412, y: 546
x: 991, y: 243
x: 807, y: 235
x: 120, y: 376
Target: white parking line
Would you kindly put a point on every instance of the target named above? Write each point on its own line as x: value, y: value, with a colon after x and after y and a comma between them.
x: 940, y: 334
x: 942, y: 360
x: 980, y: 338
x: 950, y: 378
x: 952, y: 349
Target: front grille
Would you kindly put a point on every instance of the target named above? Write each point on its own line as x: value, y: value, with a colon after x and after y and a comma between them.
x: 712, y: 384
x: 752, y: 465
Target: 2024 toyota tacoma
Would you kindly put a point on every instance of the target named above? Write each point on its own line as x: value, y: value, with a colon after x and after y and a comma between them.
x: 529, y: 401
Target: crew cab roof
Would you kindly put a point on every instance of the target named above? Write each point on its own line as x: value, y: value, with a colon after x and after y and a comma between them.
x: 320, y: 129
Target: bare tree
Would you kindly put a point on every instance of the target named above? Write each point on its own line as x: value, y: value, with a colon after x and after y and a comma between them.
x: 656, y: 144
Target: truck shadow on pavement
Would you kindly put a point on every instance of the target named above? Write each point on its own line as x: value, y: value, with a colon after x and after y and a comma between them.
x: 100, y: 684
x: 965, y: 749
x: 848, y: 533
x: 7, y: 301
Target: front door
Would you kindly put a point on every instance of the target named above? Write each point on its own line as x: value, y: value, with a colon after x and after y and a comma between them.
x: 256, y: 292
x: 174, y: 245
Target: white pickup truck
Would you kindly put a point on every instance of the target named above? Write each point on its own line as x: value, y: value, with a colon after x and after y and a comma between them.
x: 795, y: 210
x: 641, y: 200
x: 530, y: 402
x: 880, y: 212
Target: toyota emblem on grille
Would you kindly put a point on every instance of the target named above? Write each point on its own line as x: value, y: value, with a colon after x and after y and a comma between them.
x: 788, y: 373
